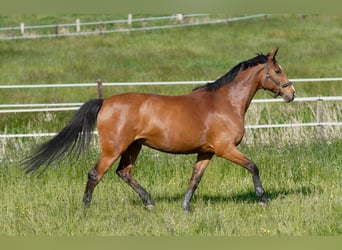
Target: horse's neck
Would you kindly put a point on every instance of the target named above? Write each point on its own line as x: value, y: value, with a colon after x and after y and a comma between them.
x: 240, y: 92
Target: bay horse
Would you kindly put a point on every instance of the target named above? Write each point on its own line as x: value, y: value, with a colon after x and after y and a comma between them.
x: 208, y: 121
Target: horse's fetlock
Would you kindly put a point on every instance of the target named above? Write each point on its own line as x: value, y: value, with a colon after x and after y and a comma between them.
x: 259, y: 191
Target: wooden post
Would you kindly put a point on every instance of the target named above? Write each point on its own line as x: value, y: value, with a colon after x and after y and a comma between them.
x: 319, y: 115
x: 78, y: 25
x: 100, y: 26
x: 144, y: 25
x: 56, y: 30
x: 99, y: 88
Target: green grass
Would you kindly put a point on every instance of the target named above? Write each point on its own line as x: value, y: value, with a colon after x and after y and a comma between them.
x: 308, y: 49
x: 304, y: 189
x: 300, y: 167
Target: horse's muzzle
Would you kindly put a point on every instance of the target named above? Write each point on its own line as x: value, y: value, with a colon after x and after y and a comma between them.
x: 287, y: 98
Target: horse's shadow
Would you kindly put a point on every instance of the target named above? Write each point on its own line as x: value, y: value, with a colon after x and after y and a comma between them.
x: 243, y: 197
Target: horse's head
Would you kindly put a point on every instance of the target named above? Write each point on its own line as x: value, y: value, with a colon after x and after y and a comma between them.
x: 275, y: 79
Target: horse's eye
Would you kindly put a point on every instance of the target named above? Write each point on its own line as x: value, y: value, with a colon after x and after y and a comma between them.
x: 278, y: 71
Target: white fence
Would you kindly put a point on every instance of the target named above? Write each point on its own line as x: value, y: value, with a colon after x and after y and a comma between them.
x: 181, y: 21
x: 52, y: 107
x: 71, y: 85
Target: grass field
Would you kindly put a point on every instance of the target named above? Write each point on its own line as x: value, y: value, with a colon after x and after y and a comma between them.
x: 301, y: 170
x: 304, y: 189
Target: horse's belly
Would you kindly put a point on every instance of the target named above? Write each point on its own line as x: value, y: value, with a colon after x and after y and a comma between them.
x: 179, y: 144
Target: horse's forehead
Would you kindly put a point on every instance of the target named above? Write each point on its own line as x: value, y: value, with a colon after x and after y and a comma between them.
x: 277, y: 65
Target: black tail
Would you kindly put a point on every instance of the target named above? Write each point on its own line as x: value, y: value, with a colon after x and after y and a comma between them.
x: 75, y: 136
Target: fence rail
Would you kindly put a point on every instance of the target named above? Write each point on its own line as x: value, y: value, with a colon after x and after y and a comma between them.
x: 75, y: 85
x: 129, y: 20
x: 101, y: 30
x: 261, y: 126
x: 52, y: 107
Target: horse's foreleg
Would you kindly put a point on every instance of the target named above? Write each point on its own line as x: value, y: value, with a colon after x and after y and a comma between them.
x: 95, y: 175
x: 124, y: 171
x: 199, y: 168
x: 234, y: 155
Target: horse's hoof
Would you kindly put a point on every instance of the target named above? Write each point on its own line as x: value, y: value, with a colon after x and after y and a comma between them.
x: 150, y: 207
x: 263, y: 202
x: 187, y: 210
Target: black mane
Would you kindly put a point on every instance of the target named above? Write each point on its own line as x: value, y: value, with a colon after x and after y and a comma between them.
x: 230, y: 75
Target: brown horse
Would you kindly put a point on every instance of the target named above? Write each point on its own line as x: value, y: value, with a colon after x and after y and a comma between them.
x: 208, y: 121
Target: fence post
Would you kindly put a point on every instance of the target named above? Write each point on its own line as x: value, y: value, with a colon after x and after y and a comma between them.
x: 319, y: 115
x: 78, y: 25
x: 100, y: 26
x: 144, y: 25
x: 227, y: 19
x: 179, y: 18
x: 99, y: 88
x: 22, y: 28
x: 12, y: 33
x: 129, y: 21
x: 56, y: 30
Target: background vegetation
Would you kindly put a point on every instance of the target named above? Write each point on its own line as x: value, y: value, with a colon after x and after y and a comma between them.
x: 301, y: 171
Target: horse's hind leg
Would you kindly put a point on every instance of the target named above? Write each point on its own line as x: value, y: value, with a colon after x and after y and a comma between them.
x: 199, y: 168
x: 124, y: 171
x: 95, y: 175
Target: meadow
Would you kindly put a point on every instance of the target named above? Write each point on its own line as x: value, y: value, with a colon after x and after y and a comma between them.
x: 300, y: 168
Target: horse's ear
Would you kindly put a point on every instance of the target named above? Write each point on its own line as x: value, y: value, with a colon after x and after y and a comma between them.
x: 273, y: 53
